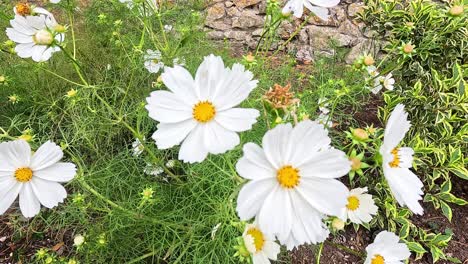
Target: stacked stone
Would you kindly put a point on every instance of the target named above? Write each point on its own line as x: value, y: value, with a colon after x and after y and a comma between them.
x: 241, y: 22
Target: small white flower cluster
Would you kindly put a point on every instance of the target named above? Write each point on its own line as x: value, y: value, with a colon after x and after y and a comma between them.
x: 378, y: 81
x: 153, y: 61
x: 323, y: 117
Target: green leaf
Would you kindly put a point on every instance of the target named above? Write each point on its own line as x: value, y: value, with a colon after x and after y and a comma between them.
x: 460, y: 172
x: 416, y: 247
x: 404, y: 231
x: 436, y: 254
x: 446, y: 210
x: 446, y: 186
x: 441, y: 240
x: 455, y: 154
x: 448, y: 197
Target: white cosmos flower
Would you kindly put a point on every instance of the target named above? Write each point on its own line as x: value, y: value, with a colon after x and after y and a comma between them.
x: 35, y: 35
x: 377, y: 84
x: 24, y: 9
x: 323, y: 105
x: 386, y: 249
x: 388, y: 82
x: 201, y: 113
x: 293, y: 183
x: 325, y: 120
x: 318, y: 7
x: 34, y: 177
x: 153, y: 61
x: 360, y: 207
x: 380, y: 82
x: 397, y: 161
x: 261, y: 246
x: 372, y: 70
x: 55, y: 1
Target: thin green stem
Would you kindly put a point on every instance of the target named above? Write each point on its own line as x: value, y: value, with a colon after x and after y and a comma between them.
x: 76, y: 65
x: 147, y: 255
x: 70, y: 18
x: 319, y: 253
x: 163, y: 32
x: 61, y: 77
x: 265, y: 31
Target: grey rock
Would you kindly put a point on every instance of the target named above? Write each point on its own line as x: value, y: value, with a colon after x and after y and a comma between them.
x: 245, y: 3
x: 215, y: 12
x: 247, y: 19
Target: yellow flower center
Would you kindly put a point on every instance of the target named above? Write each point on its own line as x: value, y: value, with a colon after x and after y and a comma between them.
x: 23, y: 9
x: 353, y: 203
x: 23, y: 174
x: 204, y: 111
x: 258, y: 238
x: 395, y: 163
x: 378, y: 259
x: 288, y: 177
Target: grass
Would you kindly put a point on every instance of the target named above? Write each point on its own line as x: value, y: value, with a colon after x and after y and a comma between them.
x: 93, y: 128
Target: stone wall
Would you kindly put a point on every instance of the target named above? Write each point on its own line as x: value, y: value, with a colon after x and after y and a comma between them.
x: 241, y: 22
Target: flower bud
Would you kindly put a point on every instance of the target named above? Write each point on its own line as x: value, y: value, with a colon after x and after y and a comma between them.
x: 2, y: 79
x: 368, y: 60
x: 456, y: 10
x: 408, y: 48
x: 360, y: 134
x: 78, y: 240
x: 43, y: 37
x: 249, y: 58
x: 338, y: 224
x: 71, y: 93
x: 9, y: 43
x: 59, y: 28
x: 26, y: 137
x: 355, y: 163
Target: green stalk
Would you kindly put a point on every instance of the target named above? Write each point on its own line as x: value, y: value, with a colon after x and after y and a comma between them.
x: 319, y: 253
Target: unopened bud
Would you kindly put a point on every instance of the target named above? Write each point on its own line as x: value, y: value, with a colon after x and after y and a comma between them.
x: 456, y: 10
x: 360, y: 134
x: 78, y: 240
x: 368, y: 60
x: 59, y: 28
x: 355, y: 163
x: 408, y: 48
x: 338, y: 224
